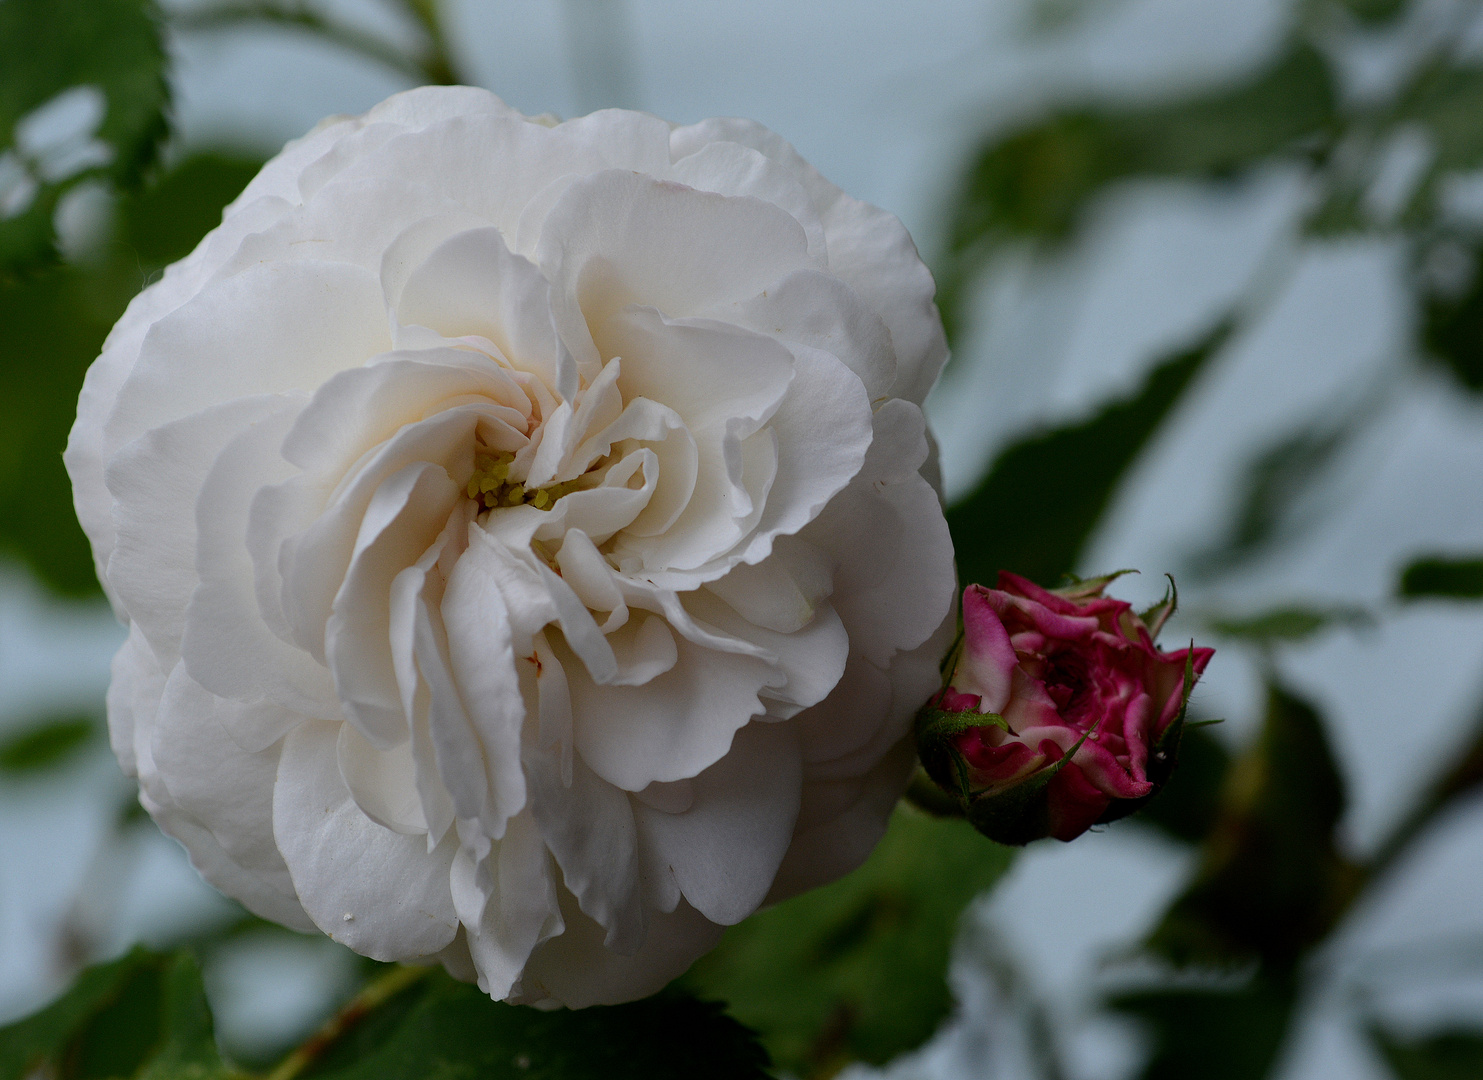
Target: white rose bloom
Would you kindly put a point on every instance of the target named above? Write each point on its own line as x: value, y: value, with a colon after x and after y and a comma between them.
x: 523, y: 537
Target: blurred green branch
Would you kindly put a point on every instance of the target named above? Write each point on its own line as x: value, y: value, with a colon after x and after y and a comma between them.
x: 375, y: 994
x: 1461, y: 779
x: 434, y: 66
x: 439, y: 63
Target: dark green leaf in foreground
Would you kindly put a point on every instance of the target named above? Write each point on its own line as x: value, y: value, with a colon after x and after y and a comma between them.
x: 1451, y: 1055
x: 55, y: 322
x: 42, y: 746
x: 187, y: 1049
x: 1215, y: 1033
x: 445, y: 1030
x: 1289, y: 623
x: 145, y: 1017
x: 40, y: 1037
x: 166, y: 220
x: 1439, y: 575
x: 108, y: 1024
x: 142, y: 1016
x: 48, y: 47
x: 1273, y: 882
x: 1035, y: 182
x: 1037, y: 506
x: 1271, y: 886
x: 857, y: 969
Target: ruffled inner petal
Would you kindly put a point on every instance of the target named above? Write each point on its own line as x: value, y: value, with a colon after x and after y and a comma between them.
x: 405, y: 515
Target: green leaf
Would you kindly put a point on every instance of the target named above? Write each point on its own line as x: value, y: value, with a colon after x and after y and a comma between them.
x: 1375, y: 11
x: 55, y: 322
x: 143, y: 1016
x: 48, y: 47
x: 1448, y: 1055
x: 1216, y: 1033
x: 445, y: 1030
x: 1452, y: 331
x: 41, y: 1039
x: 119, y: 1039
x: 1039, y: 503
x: 1441, y: 575
x: 1035, y: 182
x: 146, y: 1017
x: 1279, y: 486
x: 45, y: 745
x: 1447, y: 100
x: 857, y: 970
x: 166, y: 220
x: 188, y: 1049
x: 140, y: 1015
x: 1289, y: 623
x: 1272, y: 882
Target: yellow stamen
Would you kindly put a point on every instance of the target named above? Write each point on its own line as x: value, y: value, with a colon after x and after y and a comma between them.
x: 490, y: 486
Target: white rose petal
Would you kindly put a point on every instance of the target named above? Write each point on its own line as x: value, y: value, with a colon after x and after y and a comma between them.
x: 524, y: 537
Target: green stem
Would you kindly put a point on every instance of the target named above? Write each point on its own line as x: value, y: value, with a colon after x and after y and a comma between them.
x: 375, y: 994
x: 1463, y: 777
x: 435, y: 70
x: 439, y: 63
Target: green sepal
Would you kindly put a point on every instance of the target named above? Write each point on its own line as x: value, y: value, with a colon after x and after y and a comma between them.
x: 935, y: 729
x: 938, y: 723
x: 1020, y: 813
x: 1075, y: 588
x: 1155, y: 617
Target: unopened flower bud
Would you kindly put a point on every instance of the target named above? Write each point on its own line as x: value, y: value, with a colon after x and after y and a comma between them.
x: 1059, y: 711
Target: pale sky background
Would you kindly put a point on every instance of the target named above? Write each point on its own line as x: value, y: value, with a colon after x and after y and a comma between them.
x: 884, y: 97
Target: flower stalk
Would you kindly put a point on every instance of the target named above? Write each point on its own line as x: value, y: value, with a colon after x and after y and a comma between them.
x: 375, y: 994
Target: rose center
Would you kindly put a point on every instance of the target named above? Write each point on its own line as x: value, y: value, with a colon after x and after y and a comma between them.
x: 492, y: 487
x: 1068, y: 683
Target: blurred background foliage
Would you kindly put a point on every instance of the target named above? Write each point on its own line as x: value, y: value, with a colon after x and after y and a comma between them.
x: 96, y: 199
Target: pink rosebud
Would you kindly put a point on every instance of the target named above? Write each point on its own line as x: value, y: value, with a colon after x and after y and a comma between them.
x: 1059, y: 713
